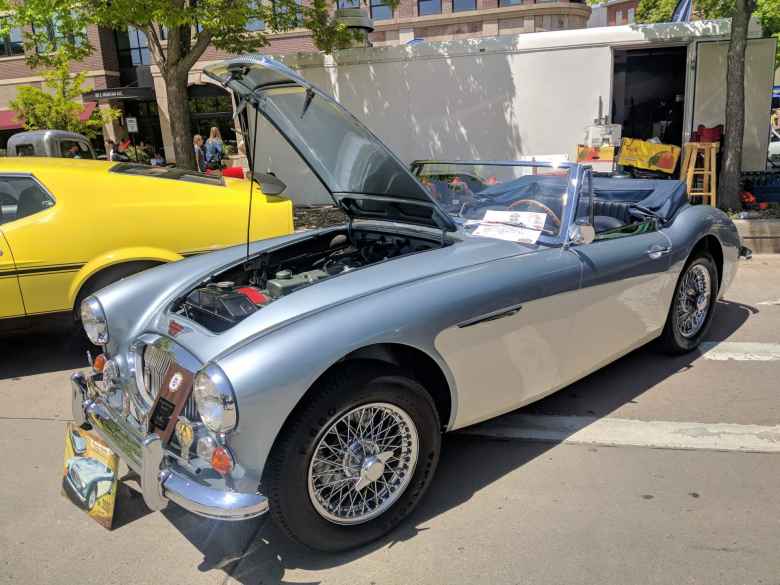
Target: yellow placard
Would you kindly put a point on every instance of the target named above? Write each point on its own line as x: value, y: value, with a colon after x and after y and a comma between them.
x: 89, y: 479
x: 600, y: 158
x: 648, y: 155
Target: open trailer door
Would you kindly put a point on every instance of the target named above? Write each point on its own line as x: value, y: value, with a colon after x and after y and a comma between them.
x: 709, y: 104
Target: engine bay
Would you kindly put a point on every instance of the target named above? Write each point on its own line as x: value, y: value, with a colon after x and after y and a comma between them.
x: 230, y: 296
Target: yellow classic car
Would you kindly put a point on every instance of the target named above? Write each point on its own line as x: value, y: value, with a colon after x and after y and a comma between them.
x: 69, y: 227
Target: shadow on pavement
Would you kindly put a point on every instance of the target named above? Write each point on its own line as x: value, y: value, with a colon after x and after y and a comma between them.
x: 256, y: 551
x: 45, y: 346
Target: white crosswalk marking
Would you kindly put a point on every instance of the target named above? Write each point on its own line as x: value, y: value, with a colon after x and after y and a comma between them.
x: 740, y: 351
x: 618, y: 432
x: 775, y: 302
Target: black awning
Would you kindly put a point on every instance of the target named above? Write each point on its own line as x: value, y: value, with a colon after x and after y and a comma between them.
x: 119, y: 93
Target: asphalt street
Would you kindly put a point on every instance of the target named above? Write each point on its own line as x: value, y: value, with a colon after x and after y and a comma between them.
x: 653, y: 470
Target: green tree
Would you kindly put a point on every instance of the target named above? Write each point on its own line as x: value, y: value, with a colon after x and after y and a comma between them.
x: 56, y: 104
x: 179, y: 31
x: 740, y: 12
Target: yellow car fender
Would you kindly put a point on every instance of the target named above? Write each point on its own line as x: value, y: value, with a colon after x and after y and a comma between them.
x: 115, y: 257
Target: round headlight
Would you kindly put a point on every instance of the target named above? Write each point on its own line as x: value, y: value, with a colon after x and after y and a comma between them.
x: 93, y: 318
x: 215, y: 399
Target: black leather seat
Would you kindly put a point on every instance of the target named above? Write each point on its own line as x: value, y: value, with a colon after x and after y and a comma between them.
x: 31, y: 200
x: 603, y: 223
x: 616, y: 209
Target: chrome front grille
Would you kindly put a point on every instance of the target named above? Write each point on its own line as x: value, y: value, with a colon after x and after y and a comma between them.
x: 151, y: 365
x: 155, y: 362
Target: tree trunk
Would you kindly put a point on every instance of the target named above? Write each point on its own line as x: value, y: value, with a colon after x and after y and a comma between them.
x: 179, y: 116
x: 729, y: 184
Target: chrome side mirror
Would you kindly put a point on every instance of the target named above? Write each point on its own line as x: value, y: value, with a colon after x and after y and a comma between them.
x: 581, y: 233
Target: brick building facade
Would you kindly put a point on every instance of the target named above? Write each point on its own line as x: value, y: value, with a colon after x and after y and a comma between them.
x: 122, y: 59
x: 444, y: 20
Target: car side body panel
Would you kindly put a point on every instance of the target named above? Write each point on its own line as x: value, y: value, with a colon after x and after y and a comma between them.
x: 113, y: 258
x: 100, y: 219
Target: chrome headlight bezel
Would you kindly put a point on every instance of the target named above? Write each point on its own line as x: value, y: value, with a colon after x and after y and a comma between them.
x: 93, y: 319
x: 215, y: 399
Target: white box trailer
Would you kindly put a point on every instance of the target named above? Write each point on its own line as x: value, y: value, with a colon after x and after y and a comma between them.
x: 516, y: 96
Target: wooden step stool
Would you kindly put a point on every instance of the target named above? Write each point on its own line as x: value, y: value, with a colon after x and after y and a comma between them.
x: 698, y: 168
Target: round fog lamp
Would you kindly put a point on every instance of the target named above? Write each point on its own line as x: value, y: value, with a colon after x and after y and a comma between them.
x: 205, y: 448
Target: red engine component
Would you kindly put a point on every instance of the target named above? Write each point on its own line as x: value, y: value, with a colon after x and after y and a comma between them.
x: 254, y: 294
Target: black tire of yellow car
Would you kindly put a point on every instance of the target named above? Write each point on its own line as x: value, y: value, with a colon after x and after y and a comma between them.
x: 108, y: 276
x: 671, y: 341
x: 286, y: 473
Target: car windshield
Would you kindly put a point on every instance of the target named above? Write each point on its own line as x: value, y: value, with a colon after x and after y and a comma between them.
x: 513, y: 201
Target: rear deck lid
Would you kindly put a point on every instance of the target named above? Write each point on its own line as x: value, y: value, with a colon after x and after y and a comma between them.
x: 362, y: 175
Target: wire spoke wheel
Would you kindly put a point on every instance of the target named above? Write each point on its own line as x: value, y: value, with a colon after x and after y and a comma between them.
x: 693, y: 300
x: 363, y: 463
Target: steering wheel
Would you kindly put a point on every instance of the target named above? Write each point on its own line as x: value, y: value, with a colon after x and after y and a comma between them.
x: 555, y: 219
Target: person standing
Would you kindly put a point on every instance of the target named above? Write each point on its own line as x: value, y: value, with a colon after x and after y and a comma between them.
x: 215, y: 150
x: 200, y: 156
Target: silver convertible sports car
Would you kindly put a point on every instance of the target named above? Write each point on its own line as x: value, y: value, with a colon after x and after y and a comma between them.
x: 312, y: 376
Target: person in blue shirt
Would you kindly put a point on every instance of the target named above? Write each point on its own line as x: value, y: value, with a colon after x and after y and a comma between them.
x: 215, y: 150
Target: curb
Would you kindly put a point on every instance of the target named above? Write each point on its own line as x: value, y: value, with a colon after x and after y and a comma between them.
x: 760, y: 235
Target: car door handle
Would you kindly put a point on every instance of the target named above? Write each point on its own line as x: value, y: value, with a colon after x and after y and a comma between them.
x: 657, y: 250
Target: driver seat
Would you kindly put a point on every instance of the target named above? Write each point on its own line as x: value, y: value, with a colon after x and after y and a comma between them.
x: 604, y: 223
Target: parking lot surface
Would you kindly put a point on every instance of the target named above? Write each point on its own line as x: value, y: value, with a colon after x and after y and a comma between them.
x: 651, y: 470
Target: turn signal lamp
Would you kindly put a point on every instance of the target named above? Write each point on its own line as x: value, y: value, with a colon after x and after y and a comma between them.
x: 222, y: 461
x: 99, y: 363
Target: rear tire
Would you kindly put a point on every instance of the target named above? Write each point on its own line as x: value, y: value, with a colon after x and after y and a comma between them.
x: 693, y: 305
x: 392, y: 454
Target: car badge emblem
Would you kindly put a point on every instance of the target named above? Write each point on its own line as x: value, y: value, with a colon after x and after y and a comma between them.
x: 186, y: 436
x: 175, y: 328
x: 175, y: 382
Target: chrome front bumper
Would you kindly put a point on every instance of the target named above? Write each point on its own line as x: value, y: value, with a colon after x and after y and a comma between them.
x: 160, y: 481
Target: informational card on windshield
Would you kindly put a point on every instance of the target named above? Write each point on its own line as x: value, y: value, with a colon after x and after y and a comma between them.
x: 515, y: 226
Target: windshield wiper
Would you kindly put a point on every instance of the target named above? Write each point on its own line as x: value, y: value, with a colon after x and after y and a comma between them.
x: 475, y: 223
x: 519, y: 225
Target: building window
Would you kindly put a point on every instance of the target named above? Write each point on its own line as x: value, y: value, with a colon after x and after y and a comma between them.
x: 282, y: 10
x: 380, y: 10
x: 133, y: 48
x: 255, y: 24
x: 461, y: 5
x: 426, y: 7
x: 631, y: 13
x: 618, y: 17
x: 509, y: 2
x: 349, y: 3
x: 12, y: 43
x: 53, y: 35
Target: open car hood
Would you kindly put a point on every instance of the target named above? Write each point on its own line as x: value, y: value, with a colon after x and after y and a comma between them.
x: 362, y: 175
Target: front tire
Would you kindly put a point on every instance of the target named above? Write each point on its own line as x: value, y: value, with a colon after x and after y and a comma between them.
x: 692, y: 306
x: 355, y: 459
